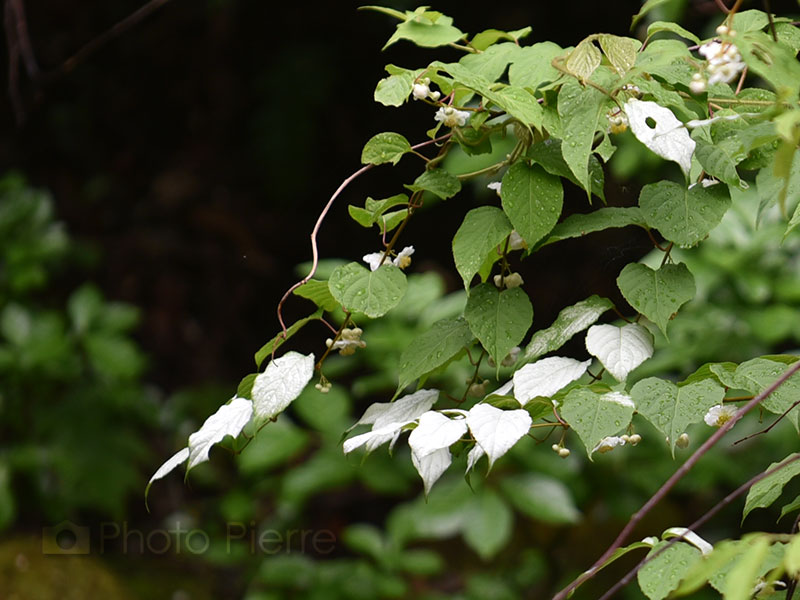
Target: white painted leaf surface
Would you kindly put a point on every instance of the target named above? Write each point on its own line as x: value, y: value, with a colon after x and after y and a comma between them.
x: 545, y: 377
x: 495, y: 430
x: 403, y: 410
x: 176, y: 459
x: 667, y: 136
x: 435, y: 431
x: 230, y: 419
x: 280, y: 383
x: 620, y: 349
x: 431, y: 466
x: 375, y: 438
x: 474, y: 456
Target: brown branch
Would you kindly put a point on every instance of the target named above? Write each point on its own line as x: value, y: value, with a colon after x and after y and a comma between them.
x: 722, y: 6
x: 670, y: 483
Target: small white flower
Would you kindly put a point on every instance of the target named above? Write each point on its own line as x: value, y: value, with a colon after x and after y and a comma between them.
x: 724, y: 61
x: 719, y: 414
x: 451, y: 117
x: 698, y: 85
x: 496, y: 186
x: 373, y: 260
x: 513, y: 280
x: 420, y: 91
x: 725, y: 73
x: 723, y: 30
x: 516, y: 242
x: 348, y: 341
x: 607, y: 444
x: 402, y: 260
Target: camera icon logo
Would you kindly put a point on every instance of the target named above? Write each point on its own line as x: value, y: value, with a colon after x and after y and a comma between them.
x: 65, y: 538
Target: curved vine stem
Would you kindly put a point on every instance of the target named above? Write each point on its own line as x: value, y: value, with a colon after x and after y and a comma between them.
x: 670, y: 483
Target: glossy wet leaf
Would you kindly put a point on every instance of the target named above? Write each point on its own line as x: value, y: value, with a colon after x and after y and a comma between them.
x: 499, y: 319
x: 594, y: 416
x: 433, y: 348
x: 532, y: 199
x: 373, y: 293
x: 482, y: 230
x: 387, y: 147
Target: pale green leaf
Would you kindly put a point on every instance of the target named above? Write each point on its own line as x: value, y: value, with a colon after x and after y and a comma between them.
x: 657, y: 294
x: 669, y: 60
x: 548, y: 153
x: 570, y: 321
x: 428, y: 29
x: 759, y: 373
x: 483, y: 229
x: 437, y: 181
x: 584, y: 59
x: 793, y: 506
x: 532, y: 199
x: 318, y: 292
x: 488, y: 526
x: 579, y: 108
x: 792, y: 557
x: 271, y: 346
x: 775, y: 63
x: 394, y: 90
x: 620, y: 349
x: 595, y: 416
x: 433, y: 348
x: 499, y: 319
x: 491, y: 63
x: 620, y: 51
x: 610, y: 217
x: 671, y: 409
x: 488, y: 37
x: 743, y: 576
x: 749, y: 20
x: 717, y: 162
x: 373, y: 293
x: 385, y: 147
x: 532, y: 66
x: 373, y: 209
x: 657, y: 26
x: 766, y: 491
x: 661, y: 575
x: 684, y: 216
x: 540, y: 497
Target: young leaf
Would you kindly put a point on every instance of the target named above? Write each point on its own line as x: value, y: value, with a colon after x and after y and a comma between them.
x: 684, y: 216
x: 437, y: 181
x: 433, y: 348
x: 579, y: 108
x: 487, y: 527
x: 660, y: 576
x: 671, y: 409
x: 533, y: 66
x: 769, y: 489
x: 394, y: 90
x: 431, y: 466
x: 499, y: 319
x: 276, y: 342
x: 658, y: 129
x: 532, y: 199
x: 657, y: 26
x: 584, y: 59
x: 595, y: 416
x: 620, y: 51
x: 426, y: 28
x: 373, y: 209
x: 385, y: 147
x: 373, y: 293
x: 547, y: 376
x: 280, y: 383
x: 229, y: 419
x: 495, y: 430
x: 483, y: 229
x: 319, y: 293
x: 541, y: 497
x: 657, y: 294
x: 620, y: 349
x: 610, y: 217
x: 570, y: 321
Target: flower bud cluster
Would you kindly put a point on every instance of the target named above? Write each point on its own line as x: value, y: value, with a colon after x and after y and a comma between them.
x: 560, y: 450
x: 421, y: 90
x: 509, y: 281
x: 402, y: 260
x: 724, y: 62
x: 348, y: 341
x: 617, y: 121
x: 451, y: 117
x: 323, y: 387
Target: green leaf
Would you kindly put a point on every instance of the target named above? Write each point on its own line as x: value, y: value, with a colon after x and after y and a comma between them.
x: 718, y: 163
x: 792, y: 556
x: 532, y: 199
x: 373, y: 209
x: 758, y: 374
x: 394, y: 90
x: 428, y: 29
x: 373, y: 293
x: 684, y: 216
x: 488, y: 37
x: 319, y: 293
x: 432, y: 349
x: 548, y: 154
x: 499, y: 319
x: 668, y: 60
x: 646, y: 8
x: 657, y: 294
x: 620, y: 51
x: 532, y: 66
x: 541, y: 497
x: 775, y: 63
x: 579, y: 109
x: 749, y: 20
x: 657, y: 26
x: 245, y: 388
x: 483, y: 228
x: 671, y: 409
x: 491, y: 63
x: 584, y: 59
x: 487, y: 527
x: 743, y: 576
x: 570, y: 321
x: 661, y: 575
x: 611, y: 217
x: 769, y: 489
x: 385, y: 147
x: 595, y: 416
x: 437, y: 181
x: 276, y: 342
x: 791, y: 507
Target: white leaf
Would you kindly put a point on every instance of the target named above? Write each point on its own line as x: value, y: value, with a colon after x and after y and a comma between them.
x: 503, y: 390
x: 495, y: 430
x: 689, y: 536
x: 435, y: 431
x: 176, y: 459
x: 545, y: 377
x: 404, y: 410
x: 280, y: 383
x: 375, y: 438
x: 620, y: 349
x: 230, y: 419
x: 474, y: 456
x: 431, y: 466
x: 668, y: 137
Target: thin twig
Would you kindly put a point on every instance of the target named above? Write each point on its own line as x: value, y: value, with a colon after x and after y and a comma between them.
x: 695, y: 526
x: 766, y: 430
x: 722, y: 7
x: 670, y: 483
x: 768, y: 10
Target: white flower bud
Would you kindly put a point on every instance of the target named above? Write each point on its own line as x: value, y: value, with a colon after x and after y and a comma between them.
x: 697, y: 86
x: 420, y: 91
x: 634, y: 439
x: 563, y: 452
x: 682, y: 441
x: 555, y: 447
x: 513, y: 280
x: 723, y: 30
